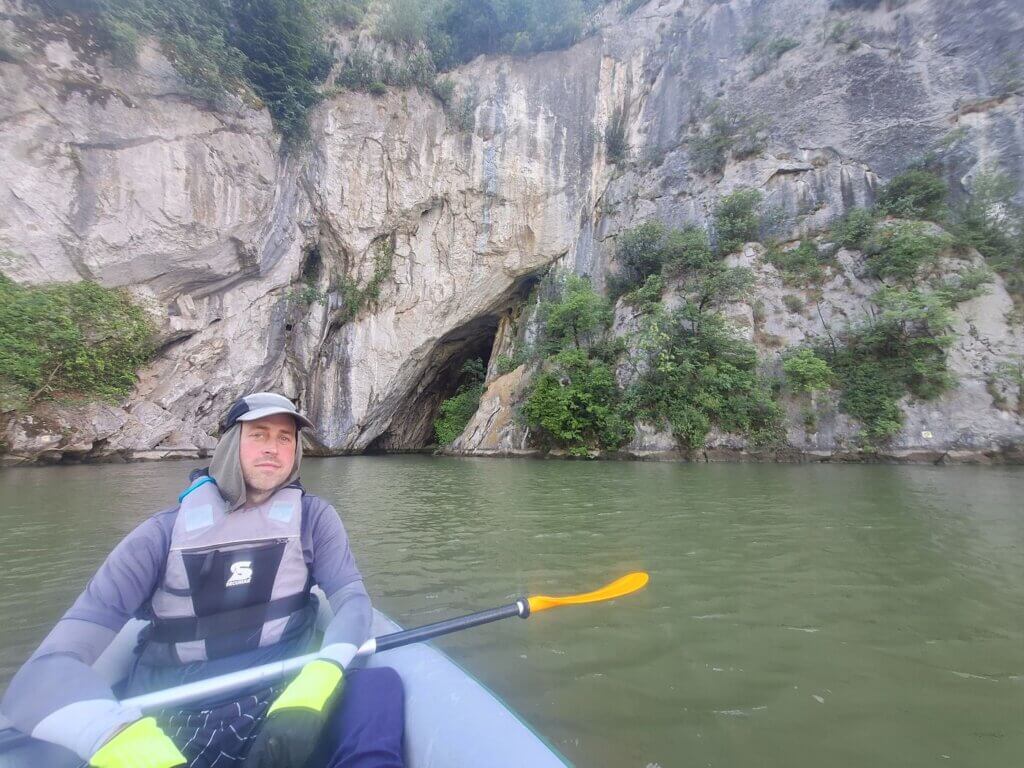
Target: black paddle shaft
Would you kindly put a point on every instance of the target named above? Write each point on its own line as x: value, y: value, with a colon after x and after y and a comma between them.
x: 419, y: 634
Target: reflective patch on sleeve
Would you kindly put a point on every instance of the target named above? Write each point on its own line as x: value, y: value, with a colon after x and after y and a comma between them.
x: 198, y: 517
x: 281, y: 511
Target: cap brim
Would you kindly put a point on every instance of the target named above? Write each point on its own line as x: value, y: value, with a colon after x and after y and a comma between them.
x: 261, y: 413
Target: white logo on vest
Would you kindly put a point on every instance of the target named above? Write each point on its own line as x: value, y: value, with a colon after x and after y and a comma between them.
x: 241, y: 573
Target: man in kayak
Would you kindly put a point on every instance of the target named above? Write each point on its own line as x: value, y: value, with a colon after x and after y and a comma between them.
x: 224, y: 578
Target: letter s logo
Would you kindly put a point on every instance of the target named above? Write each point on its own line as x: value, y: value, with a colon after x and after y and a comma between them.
x: 241, y: 573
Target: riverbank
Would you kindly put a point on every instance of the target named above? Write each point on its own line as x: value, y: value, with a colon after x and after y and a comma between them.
x: 1009, y: 455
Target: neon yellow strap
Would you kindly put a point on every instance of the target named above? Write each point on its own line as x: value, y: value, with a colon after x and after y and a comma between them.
x: 311, y: 689
x: 141, y: 745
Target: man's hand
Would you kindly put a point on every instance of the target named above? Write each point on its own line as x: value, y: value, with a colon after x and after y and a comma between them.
x: 141, y: 745
x: 295, y: 720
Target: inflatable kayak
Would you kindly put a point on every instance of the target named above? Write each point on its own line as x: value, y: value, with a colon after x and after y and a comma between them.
x: 451, y: 719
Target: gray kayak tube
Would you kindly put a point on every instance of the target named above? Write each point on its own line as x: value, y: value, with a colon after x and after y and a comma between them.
x: 451, y: 719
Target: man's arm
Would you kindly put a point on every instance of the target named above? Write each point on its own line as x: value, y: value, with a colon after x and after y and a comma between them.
x: 56, y: 696
x: 335, y: 571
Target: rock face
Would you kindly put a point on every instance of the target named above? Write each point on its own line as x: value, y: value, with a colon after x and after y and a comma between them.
x: 357, y: 275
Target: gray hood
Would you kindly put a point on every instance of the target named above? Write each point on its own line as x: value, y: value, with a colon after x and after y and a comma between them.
x: 226, y: 469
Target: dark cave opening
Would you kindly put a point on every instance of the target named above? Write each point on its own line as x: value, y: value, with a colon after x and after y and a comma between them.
x: 412, y: 428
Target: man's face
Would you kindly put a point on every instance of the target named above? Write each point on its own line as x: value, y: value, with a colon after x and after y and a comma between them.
x: 267, y: 452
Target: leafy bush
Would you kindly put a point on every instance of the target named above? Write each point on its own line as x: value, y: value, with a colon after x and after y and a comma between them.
x: 68, y: 339
x: 504, y: 364
x: 726, y: 134
x: 992, y: 222
x: 274, y: 46
x: 901, y: 349
x: 848, y: 5
x: 900, y: 250
x: 806, y: 371
x: 404, y: 22
x: 686, y: 249
x: 699, y: 374
x: 798, y: 266
x: 854, y: 229
x: 648, y: 294
x: 464, y: 113
x: 638, y: 253
x: 767, y: 51
x: 364, y: 71
x: 575, y: 404
x: 964, y: 286
x: 460, y: 30
x: 456, y: 411
x: 793, y: 303
x: 736, y: 219
x: 651, y: 250
x: 355, y: 297
x: 574, y: 317
x: 346, y: 14
x: 709, y: 151
x: 914, y: 194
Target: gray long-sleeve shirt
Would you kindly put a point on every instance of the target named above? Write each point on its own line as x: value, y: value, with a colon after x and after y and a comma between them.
x: 56, y: 696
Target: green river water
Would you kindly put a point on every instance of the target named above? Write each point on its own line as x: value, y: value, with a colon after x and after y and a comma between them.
x: 797, y: 616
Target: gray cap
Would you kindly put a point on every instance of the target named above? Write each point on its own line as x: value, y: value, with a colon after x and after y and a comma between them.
x: 259, y: 405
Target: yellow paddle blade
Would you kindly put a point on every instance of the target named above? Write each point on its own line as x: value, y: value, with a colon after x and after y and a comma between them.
x: 631, y: 582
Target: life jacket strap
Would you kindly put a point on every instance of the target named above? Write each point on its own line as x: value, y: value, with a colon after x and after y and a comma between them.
x: 190, y: 628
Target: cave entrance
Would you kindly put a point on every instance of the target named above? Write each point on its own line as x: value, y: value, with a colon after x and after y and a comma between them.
x: 412, y: 428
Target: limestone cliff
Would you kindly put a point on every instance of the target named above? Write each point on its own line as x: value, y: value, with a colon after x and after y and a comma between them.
x: 259, y: 263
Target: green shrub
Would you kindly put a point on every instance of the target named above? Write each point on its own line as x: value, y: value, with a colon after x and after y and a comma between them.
x: 900, y: 250
x: 914, y: 194
x: 444, y: 90
x: 77, y: 339
x: 346, y: 14
x: 359, y: 72
x: 767, y: 52
x: 456, y: 411
x: 992, y: 222
x: 736, y: 219
x: 638, y: 253
x: 464, y: 113
x: 504, y: 364
x: 461, y: 30
x: 575, y: 404
x: 793, y: 303
x: 806, y: 371
x: 354, y: 297
x: 651, y: 250
x: 686, y: 250
x: 901, y: 350
x: 404, y: 22
x: 962, y: 287
x: 274, y: 46
x: 575, y: 317
x: 854, y: 229
x: 699, y: 374
x: 709, y: 150
x: 781, y: 45
x: 798, y: 266
x: 727, y: 133
x: 647, y: 294
x: 849, y: 5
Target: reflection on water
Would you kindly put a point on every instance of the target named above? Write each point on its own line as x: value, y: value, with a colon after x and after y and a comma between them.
x: 797, y: 615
